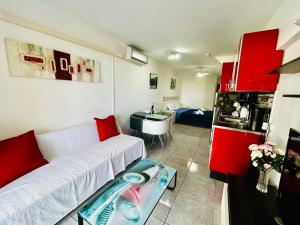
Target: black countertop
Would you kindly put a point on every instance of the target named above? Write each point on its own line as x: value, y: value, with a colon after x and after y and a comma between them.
x: 247, y: 206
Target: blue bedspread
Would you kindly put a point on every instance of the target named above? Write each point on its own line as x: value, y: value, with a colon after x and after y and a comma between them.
x: 188, y: 116
x: 179, y: 111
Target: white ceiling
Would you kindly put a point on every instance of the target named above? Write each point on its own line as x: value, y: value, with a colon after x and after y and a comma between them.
x: 191, y: 27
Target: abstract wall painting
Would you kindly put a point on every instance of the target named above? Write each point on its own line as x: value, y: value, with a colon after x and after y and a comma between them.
x: 153, y: 80
x: 33, y: 61
x: 173, y: 84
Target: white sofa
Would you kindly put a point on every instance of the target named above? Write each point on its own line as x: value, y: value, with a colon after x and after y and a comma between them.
x: 79, y: 164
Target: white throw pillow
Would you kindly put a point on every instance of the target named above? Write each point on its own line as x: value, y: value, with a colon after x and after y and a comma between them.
x: 177, y: 105
x: 171, y: 106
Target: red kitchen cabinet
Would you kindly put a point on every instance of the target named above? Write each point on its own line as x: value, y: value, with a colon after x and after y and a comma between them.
x: 229, y: 151
x: 257, y: 57
x: 227, y: 69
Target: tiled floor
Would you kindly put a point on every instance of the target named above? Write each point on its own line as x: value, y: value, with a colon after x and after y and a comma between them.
x: 197, y: 198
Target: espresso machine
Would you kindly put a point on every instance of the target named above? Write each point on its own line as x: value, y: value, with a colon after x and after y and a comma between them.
x: 243, y: 110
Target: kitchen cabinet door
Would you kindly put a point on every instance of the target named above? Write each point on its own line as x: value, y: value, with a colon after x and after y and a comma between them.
x: 258, y: 56
x: 227, y: 69
x: 230, y: 153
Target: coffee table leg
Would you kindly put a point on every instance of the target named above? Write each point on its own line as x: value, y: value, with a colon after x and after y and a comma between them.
x: 80, y: 220
x: 175, y: 181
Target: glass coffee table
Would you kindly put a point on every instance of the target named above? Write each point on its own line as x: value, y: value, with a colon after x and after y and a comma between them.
x: 131, y: 197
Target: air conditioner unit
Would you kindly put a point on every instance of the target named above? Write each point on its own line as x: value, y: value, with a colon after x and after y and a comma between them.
x: 136, y: 56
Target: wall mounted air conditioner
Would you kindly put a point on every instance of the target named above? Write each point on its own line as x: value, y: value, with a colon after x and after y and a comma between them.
x: 136, y: 56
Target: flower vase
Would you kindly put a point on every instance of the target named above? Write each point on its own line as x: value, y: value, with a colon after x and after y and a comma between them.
x: 263, y: 180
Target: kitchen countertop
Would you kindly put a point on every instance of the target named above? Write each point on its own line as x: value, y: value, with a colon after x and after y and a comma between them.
x: 238, y: 129
x: 248, y: 206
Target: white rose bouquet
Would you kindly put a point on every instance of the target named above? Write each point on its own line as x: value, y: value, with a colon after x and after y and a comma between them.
x: 266, y: 156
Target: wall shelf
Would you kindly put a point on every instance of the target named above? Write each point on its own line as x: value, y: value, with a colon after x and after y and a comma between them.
x: 290, y: 96
x: 289, y: 67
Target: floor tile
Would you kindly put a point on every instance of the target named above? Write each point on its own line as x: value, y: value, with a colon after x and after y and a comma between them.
x: 201, y: 158
x: 217, y: 199
x: 178, y: 163
x: 199, y: 171
x: 198, y: 190
x: 159, y: 156
x: 204, y: 148
x: 180, y: 179
x: 190, y: 212
x: 162, y: 209
x: 67, y: 221
x: 184, y: 153
x: 154, y: 221
x: 219, y: 186
x: 205, y: 141
x: 217, y: 217
x: 74, y: 215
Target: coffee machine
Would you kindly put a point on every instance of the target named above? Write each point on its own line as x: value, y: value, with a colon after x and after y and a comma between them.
x: 243, y: 110
x: 260, y: 112
x: 259, y: 118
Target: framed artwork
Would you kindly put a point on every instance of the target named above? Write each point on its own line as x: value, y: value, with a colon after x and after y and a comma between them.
x: 153, y: 80
x: 173, y: 84
x: 33, y: 61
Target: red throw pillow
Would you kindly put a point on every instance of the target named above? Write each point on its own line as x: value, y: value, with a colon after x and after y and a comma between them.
x: 18, y: 156
x: 107, y: 127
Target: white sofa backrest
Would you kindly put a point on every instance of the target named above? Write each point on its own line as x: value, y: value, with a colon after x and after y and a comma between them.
x: 57, y: 143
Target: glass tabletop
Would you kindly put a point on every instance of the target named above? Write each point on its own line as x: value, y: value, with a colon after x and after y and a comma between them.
x: 130, y: 198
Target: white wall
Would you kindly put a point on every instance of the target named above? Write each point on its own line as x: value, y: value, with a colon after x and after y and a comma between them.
x: 42, y: 13
x: 42, y: 105
x: 286, y: 111
x: 46, y: 105
x: 132, y: 88
x: 288, y: 12
x: 198, y: 92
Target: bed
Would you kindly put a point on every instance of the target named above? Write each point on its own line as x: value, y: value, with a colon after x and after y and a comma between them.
x: 184, y: 115
x: 194, y: 117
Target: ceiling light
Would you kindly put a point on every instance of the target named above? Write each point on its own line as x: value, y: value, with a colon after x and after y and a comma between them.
x: 199, y: 74
x: 174, y: 56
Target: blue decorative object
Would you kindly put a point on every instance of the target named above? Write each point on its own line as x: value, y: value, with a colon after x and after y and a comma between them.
x: 133, y: 178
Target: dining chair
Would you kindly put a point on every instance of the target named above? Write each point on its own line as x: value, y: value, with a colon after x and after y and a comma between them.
x: 156, y: 129
x: 136, y: 124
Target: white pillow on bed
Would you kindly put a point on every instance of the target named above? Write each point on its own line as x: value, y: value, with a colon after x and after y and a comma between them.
x: 171, y: 106
x: 177, y: 105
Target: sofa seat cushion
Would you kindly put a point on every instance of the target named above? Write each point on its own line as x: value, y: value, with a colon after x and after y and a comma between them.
x: 49, y: 193
x: 122, y: 150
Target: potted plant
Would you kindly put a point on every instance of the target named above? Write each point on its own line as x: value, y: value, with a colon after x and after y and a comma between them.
x: 266, y: 157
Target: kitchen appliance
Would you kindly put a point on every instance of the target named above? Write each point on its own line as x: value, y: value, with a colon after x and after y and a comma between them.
x: 244, y: 114
x: 243, y: 110
x: 265, y: 100
x: 258, y: 116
